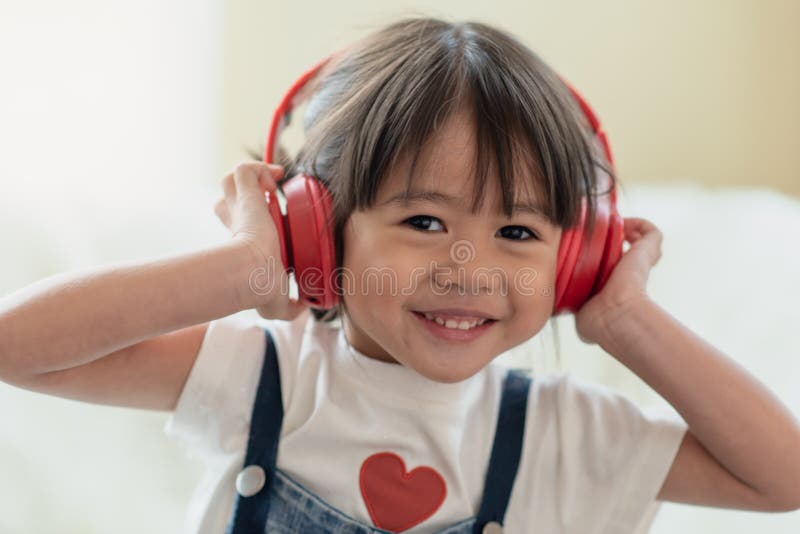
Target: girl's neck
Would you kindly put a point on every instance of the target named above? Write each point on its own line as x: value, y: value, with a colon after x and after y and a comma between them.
x: 363, y: 343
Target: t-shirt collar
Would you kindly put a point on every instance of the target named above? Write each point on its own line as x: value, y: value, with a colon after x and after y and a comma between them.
x: 399, y: 379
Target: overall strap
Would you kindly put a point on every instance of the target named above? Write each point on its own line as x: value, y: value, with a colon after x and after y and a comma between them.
x: 250, y: 513
x: 506, y: 450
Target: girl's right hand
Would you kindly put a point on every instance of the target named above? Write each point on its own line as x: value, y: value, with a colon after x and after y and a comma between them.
x: 244, y: 211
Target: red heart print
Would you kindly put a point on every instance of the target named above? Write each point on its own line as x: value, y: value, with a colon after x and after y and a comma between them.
x: 397, y: 500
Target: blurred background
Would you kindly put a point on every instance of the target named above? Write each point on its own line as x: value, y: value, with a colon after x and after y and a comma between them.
x: 118, y: 119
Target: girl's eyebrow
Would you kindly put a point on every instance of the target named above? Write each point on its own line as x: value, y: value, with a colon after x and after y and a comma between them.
x: 424, y: 195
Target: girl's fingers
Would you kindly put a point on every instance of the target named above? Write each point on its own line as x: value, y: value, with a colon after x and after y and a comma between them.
x: 228, y: 187
x: 251, y: 179
x: 254, y: 178
x: 221, y: 210
x: 636, y: 228
x: 645, y: 236
x: 269, y: 179
x: 636, y: 224
x: 245, y: 177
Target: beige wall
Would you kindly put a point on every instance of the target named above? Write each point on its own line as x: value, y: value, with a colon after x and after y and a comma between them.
x: 702, y: 91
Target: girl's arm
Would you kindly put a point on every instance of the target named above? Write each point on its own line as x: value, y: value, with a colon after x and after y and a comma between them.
x: 98, y: 335
x: 70, y: 319
x: 107, y: 334
x: 742, y: 449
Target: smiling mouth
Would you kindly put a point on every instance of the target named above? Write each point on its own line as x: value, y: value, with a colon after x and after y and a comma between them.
x: 462, y: 332
x: 454, y: 324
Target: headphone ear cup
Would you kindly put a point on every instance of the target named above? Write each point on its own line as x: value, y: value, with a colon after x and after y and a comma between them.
x: 310, y: 239
x: 586, y: 268
x: 568, y: 250
x: 563, y: 251
x: 587, y: 263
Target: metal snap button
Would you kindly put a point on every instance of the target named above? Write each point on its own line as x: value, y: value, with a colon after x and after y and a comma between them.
x: 250, y: 480
x: 492, y: 527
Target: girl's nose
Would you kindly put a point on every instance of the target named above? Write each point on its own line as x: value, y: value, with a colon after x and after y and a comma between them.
x: 468, y: 269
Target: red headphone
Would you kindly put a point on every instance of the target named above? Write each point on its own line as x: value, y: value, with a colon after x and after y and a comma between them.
x: 307, y: 245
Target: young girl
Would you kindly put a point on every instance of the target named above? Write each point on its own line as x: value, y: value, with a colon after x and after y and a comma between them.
x: 386, y: 412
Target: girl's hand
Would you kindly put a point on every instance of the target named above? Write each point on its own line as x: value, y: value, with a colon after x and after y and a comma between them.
x: 627, y: 283
x: 243, y: 210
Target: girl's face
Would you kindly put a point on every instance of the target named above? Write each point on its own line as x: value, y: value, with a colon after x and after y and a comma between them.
x: 433, y: 254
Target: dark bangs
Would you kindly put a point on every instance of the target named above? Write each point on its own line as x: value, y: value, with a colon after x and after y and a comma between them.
x: 393, y: 88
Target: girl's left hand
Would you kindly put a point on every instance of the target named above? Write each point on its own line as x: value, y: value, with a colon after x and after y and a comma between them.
x: 627, y: 283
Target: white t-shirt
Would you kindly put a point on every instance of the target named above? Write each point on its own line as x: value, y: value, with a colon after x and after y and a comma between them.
x: 592, y: 461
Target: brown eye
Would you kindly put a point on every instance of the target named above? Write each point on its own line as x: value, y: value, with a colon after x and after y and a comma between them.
x: 422, y: 222
x: 518, y: 233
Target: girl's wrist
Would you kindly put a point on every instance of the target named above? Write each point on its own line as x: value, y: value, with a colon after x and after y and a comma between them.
x: 248, y: 260
x: 259, y: 277
x: 618, y: 321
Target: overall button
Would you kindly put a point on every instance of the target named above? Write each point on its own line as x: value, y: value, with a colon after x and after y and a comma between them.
x: 250, y: 480
x: 492, y: 527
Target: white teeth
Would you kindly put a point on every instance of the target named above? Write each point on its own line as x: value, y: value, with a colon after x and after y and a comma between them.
x: 452, y: 323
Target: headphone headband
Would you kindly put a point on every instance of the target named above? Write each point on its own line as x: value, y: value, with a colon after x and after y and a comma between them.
x: 303, y: 87
x: 295, y: 96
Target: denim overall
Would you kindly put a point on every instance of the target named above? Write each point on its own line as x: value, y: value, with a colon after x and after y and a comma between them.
x: 279, y: 504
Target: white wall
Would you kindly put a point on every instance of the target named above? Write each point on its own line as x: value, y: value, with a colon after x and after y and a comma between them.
x: 705, y: 90
x: 109, y: 124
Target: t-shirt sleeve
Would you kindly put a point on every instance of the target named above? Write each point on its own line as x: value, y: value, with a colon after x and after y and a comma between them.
x: 626, y: 451
x: 213, y: 408
x: 605, y: 457
x: 212, y: 415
